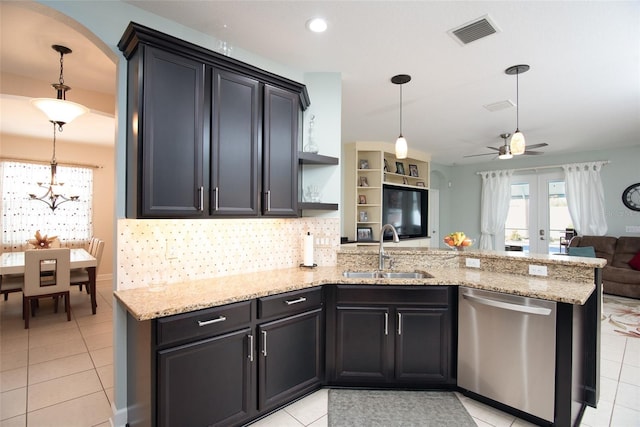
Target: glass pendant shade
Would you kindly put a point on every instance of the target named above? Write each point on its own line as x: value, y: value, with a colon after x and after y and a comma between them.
x: 401, y: 148
x: 59, y: 111
x: 517, y: 144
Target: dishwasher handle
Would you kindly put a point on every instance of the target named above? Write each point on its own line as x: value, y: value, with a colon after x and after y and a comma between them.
x: 508, y: 306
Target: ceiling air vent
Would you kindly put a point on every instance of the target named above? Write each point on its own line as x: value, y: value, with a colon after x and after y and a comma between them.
x: 474, y: 30
x: 500, y: 105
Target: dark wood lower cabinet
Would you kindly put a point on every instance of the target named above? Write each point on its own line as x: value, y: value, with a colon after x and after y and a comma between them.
x: 291, y: 358
x: 228, y: 365
x: 206, y: 383
x: 388, y: 338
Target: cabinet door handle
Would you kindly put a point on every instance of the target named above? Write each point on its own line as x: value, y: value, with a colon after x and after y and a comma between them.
x: 215, y: 199
x: 264, y: 343
x: 268, y: 200
x: 386, y: 323
x: 399, y: 323
x: 212, y: 321
x: 201, y: 197
x: 250, y: 347
x: 296, y: 301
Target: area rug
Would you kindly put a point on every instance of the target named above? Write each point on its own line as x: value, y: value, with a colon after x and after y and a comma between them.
x: 396, y: 408
x: 623, y: 314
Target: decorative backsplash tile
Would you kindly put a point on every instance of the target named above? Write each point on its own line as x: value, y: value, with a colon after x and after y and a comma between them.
x: 169, y: 251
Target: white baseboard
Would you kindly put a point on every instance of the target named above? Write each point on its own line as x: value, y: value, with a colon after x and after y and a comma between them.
x: 119, y: 418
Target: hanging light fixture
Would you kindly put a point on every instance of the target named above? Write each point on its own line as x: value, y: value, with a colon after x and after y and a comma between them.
x: 59, y: 110
x: 505, y: 150
x: 53, y: 198
x: 401, y: 142
x: 518, y: 144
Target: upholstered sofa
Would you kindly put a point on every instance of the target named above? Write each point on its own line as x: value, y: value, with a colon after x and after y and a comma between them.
x: 618, y: 276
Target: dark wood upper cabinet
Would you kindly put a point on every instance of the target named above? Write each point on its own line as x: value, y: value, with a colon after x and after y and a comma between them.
x: 165, y: 150
x: 235, y: 144
x: 280, y: 152
x: 208, y: 135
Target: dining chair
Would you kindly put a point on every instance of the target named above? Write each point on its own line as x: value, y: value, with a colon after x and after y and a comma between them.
x: 80, y: 276
x: 38, y: 285
x: 11, y: 283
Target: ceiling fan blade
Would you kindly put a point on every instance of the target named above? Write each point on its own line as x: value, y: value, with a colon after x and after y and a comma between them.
x: 543, y: 144
x: 493, y: 148
x: 535, y: 153
x: 476, y: 155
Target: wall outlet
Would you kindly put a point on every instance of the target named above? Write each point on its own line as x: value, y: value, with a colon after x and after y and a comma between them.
x: 537, y: 270
x: 472, y: 262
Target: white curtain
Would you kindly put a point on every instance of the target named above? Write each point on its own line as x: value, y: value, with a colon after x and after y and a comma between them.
x: 496, y: 193
x: 22, y: 217
x: 585, y: 197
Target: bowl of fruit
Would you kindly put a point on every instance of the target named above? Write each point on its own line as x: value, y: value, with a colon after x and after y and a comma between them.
x: 458, y: 240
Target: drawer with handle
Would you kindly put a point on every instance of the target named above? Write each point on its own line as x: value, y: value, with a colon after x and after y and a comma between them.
x: 289, y: 303
x: 202, y: 323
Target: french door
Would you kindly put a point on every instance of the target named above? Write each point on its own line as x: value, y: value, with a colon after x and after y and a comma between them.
x: 538, y: 214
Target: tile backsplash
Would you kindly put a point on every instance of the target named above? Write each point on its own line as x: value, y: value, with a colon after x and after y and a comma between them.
x: 169, y: 251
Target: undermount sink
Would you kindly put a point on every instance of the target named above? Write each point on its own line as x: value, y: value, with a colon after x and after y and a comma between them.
x: 362, y: 274
x: 406, y: 275
x: 386, y: 275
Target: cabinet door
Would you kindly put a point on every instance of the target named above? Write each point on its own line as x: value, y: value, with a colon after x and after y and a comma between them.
x: 280, y: 152
x: 205, y: 383
x: 171, y: 181
x: 235, y: 158
x: 362, y: 344
x: 422, y: 347
x: 291, y: 359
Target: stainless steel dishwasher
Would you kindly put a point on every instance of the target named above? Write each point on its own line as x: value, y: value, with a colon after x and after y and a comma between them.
x: 507, y: 349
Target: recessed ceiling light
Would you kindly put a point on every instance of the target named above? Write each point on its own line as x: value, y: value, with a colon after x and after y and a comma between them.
x: 317, y: 25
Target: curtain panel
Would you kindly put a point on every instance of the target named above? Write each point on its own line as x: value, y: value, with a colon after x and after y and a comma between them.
x: 496, y: 193
x: 21, y: 217
x: 585, y: 197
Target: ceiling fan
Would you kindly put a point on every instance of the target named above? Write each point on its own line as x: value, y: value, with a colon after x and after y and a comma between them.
x: 504, y: 151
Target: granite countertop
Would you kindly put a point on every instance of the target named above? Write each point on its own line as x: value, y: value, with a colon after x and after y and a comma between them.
x: 147, y: 303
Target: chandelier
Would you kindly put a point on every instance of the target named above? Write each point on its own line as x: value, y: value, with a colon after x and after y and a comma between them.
x: 59, y: 110
x: 53, y: 196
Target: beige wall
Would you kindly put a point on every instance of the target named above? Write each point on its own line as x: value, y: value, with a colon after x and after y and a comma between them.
x: 13, y: 146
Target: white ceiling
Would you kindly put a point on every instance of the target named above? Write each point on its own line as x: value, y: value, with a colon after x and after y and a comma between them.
x: 582, y: 92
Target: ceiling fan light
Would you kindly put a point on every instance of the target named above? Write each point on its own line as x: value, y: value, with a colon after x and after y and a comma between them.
x: 59, y: 110
x: 517, y: 144
x: 401, y: 148
x: 505, y: 153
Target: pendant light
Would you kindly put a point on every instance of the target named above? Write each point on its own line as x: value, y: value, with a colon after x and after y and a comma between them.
x: 401, y: 142
x: 518, y: 144
x: 59, y: 110
x: 53, y: 198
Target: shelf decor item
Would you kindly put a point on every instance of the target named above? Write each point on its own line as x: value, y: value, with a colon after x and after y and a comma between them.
x: 365, y: 234
x: 364, y: 164
x: 311, y: 146
x: 413, y: 170
x: 400, y: 168
x: 458, y: 240
x: 362, y: 199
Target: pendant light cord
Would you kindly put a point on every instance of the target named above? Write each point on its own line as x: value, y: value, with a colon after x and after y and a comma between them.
x: 401, y: 109
x: 53, y: 159
x: 517, y: 100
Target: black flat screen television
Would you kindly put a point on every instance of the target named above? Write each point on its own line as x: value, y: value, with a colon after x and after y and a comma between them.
x: 406, y: 209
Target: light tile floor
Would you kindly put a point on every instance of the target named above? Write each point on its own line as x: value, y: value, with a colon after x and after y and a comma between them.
x: 60, y: 373
x: 57, y: 373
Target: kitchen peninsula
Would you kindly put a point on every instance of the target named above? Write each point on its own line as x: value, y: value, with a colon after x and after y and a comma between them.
x: 297, y: 311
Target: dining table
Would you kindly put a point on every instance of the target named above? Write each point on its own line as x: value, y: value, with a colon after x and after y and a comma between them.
x: 13, y: 263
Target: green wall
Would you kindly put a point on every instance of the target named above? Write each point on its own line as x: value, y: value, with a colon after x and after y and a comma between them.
x: 460, y: 187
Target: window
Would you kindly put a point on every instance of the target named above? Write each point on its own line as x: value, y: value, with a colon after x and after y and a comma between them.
x: 21, y: 217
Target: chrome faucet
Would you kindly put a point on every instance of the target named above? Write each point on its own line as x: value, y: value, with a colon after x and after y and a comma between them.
x: 381, y: 255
